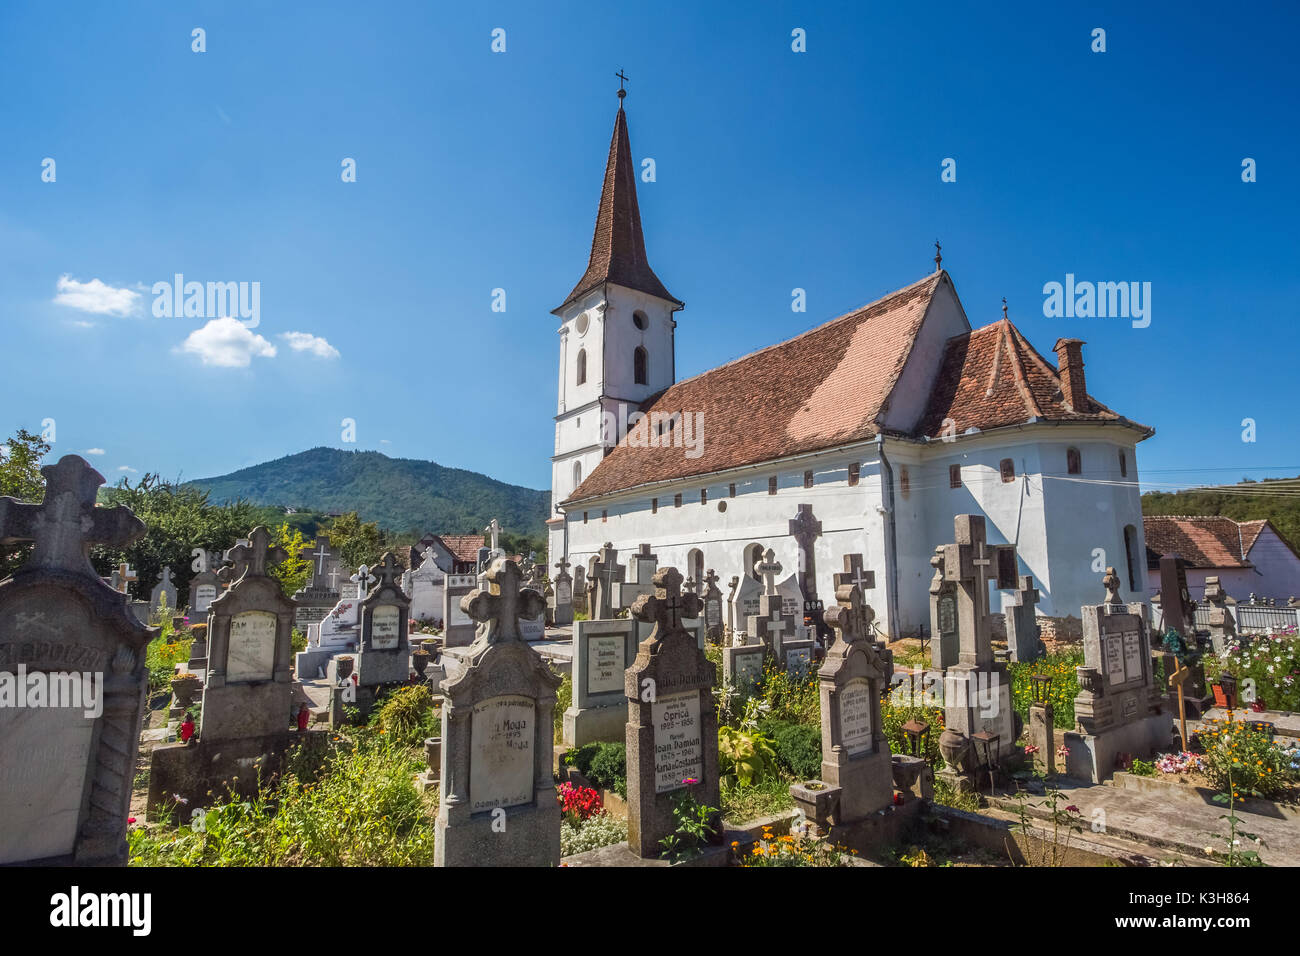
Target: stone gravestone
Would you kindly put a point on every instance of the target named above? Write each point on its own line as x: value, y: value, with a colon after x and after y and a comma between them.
x: 1023, y: 643
x: 1223, y: 629
x: 977, y: 689
x: 794, y: 609
x: 563, y: 594
x: 458, y: 628
x: 66, y: 771
x: 427, y: 583
x: 743, y: 605
x: 1118, y: 709
x: 712, y: 601
x: 383, y: 652
x: 605, y: 574
x: 165, y: 586
x: 806, y: 529
x: 742, y: 665
x: 672, y: 726
x: 579, y: 590
x: 774, y: 624
x: 317, y: 598
x: 944, y: 637
x: 497, y: 802
x: 247, y: 689
x: 639, y: 581
x: 534, y: 628
x: 204, y: 589
x: 856, y: 763
x: 602, y: 650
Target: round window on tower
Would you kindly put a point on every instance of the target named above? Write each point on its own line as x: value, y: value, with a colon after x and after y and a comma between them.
x: 639, y: 319
x: 581, y: 323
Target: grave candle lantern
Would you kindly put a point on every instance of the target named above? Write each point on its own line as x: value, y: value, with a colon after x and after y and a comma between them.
x: 1042, y: 687
x: 918, y: 738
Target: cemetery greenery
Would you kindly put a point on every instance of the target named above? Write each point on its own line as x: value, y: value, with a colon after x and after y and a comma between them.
x: 1271, y: 661
x: 20, y: 477
x: 1065, y: 685
x: 352, y: 802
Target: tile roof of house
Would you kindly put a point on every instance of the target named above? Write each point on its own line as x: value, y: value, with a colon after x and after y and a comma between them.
x: 464, y: 547
x: 1205, y: 541
x: 617, y: 244
x: 992, y: 377
x: 817, y: 390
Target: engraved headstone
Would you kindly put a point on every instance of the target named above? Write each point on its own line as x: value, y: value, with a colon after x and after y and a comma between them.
x: 66, y: 771
x: 458, y: 627
x: 672, y: 727
x: 165, y: 587
x: 602, y: 650
x: 497, y: 803
x: 563, y: 596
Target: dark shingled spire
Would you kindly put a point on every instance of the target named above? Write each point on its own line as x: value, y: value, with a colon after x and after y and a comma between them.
x: 618, y: 246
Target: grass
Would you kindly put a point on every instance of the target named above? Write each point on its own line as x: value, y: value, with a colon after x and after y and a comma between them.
x: 356, y: 805
x: 1065, y: 685
x: 768, y: 797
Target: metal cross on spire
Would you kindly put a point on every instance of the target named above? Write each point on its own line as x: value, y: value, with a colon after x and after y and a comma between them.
x: 938, y: 256
x: 621, y: 92
x: 503, y: 603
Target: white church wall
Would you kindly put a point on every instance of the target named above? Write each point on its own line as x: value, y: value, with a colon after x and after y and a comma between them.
x: 944, y: 319
x: 849, y: 516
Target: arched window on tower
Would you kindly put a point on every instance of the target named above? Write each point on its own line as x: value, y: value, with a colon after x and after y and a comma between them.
x: 639, y: 361
x: 582, y: 367
x: 577, y: 473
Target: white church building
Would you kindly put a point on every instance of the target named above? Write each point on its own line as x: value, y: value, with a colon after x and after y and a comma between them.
x: 886, y: 422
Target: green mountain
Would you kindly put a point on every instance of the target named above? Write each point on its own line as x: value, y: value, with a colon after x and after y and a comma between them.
x: 400, y: 494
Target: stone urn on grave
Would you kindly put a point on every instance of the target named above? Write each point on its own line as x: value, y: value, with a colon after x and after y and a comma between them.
x: 957, y: 752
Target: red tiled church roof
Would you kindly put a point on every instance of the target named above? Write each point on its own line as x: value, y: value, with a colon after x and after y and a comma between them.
x: 618, y: 245
x: 819, y: 389
x: 992, y: 377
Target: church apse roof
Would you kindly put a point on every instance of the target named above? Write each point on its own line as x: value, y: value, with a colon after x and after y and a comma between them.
x: 815, y: 391
x: 993, y: 377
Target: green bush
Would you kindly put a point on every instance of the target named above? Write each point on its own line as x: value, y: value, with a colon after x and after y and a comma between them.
x: 603, y: 763
x: 563, y: 699
x: 161, y: 658
x: 789, y: 697
x: 1243, y: 760
x: 407, y: 716
x: 1142, y: 768
x: 798, y: 747
x: 746, y: 756
x: 1065, y: 685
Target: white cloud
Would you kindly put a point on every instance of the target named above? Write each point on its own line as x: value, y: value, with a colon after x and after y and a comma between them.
x: 227, y: 343
x: 95, y: 451
x: 384, y: 441
x: 83, y: 324
x: 306, y: 342
x: 95, y: 296
x: 126, y: 468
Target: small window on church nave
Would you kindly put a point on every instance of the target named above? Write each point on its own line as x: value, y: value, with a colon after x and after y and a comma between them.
x: 1007, y: 468
x: 954, y: 476
x: 904, y: 482
x: 1073, y: 461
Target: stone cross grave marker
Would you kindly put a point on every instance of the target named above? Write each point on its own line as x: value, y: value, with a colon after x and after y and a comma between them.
x: 1118, y: 708
x: 1023, y: 643
x: 806, y: 529
x: 672, y: 726
x: 498, y: 805
x: 855, y: 750
x: 642, y: 566
x: 125, y: 576
x: 66, y: 771
x: 165, y: 586
x: 605, y: 575
x: 713, y: 624
x: 363, y: 579
x: 580, y: 590
x: 563, y: 594
x: 1223, y: 629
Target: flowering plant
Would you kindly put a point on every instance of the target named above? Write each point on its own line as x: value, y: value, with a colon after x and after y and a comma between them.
x: 1179, y: 763
x: 579, y: 803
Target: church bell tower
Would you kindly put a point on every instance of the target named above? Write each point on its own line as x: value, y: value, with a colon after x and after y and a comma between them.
x: 616, y: 335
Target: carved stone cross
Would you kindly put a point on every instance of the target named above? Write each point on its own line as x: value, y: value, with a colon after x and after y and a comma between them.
x: 67, y: 523
x: 710, y: 580
x: 362, y: 579
x: 667, y: 606
x: 503, y: 603
x: 563, y: 564
x: 125, y: 575
x: 388, y: 571
x: 769, y: 567
x: 1111, y: 583
x: 851, y: 617
x: 806, y: 529
x: 254, y: 556
x: 855, y: 574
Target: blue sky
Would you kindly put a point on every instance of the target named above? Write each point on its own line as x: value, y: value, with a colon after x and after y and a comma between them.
x: 479, y: 170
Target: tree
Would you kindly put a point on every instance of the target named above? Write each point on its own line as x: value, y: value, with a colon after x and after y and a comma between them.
x: 20, y: 477
x: 358, y: 543
x: 294, y: 571
x: 178, y: 518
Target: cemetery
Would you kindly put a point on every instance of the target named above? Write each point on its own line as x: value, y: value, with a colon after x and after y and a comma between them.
x: 653, y: 728
x: 847, y: 565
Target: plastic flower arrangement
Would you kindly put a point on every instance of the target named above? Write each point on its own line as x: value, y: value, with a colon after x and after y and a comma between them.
x: 579, y: 803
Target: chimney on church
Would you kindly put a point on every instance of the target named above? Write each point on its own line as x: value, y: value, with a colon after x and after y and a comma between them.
x: 1069, y: 362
